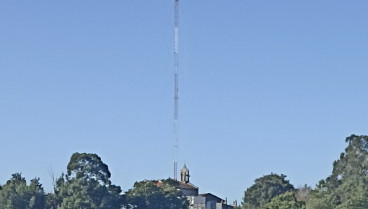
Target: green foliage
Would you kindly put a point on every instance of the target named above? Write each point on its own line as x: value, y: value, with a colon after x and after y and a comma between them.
x: 264, y: 189
x: 347, y: 186
x: 16, y: 194
x: 88, y: 166
x: 154, y: 194
x: 284, y: 201
x: 86, y: 186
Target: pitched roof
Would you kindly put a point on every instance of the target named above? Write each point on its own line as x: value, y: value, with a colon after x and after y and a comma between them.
x: 184, y: 185
x: 209, y: 194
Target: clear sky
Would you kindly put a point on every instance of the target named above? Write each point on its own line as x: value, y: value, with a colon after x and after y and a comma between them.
x: 265, y: 86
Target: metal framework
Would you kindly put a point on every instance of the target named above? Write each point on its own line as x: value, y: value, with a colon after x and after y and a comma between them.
x: 176, y: 88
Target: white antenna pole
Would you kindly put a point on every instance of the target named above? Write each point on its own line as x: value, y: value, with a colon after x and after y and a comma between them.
x: 176, y: 89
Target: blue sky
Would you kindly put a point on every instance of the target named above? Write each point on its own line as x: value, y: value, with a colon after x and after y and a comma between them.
x: 265, y: 86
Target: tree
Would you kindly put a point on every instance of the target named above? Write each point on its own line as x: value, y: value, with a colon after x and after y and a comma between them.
x: 88, y: 166
x: 347, y: 186
x: 86, y: 185
x: 284, y: 201
x: 16, y: 194
x: 154, y: 194
x: 264, y: 189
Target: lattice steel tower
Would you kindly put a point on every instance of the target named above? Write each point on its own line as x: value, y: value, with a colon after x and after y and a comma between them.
x: 176, y: 89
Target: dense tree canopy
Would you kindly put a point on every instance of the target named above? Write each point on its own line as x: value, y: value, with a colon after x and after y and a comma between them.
x: 87, y: 185
x: 88, y: 166
x: 284, y: 201
x: 264, y: 189
x: 154, y: 194
x: 16, y: 194
x: 347, y: 186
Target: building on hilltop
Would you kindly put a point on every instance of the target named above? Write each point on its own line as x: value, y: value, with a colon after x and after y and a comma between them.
x: 185, y: 186
x: 196, y: 200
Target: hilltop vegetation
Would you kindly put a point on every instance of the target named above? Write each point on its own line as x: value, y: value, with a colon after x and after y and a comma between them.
x: 345, y: 188
x: 86, y: 185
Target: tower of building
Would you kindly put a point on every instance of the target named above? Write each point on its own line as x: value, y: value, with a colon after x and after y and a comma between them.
x: 184, y: 174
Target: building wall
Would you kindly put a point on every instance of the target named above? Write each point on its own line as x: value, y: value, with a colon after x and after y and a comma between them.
x: 223, y: 206
x: 211, y: 204
x: 207, y: 202
x: 197, y: 202
x: 189, y: 192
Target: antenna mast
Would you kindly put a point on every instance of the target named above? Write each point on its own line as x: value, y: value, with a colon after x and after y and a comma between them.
x: 176, y: 89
